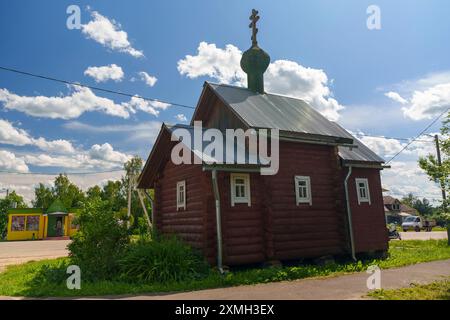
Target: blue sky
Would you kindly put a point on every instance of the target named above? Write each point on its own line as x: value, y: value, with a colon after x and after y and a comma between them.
x: 407, y: 56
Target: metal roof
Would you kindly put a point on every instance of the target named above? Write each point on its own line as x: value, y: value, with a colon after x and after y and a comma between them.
x: 275, y: 111
x: 362, y: 153
x: 240, y: 154
x: 289, y: 114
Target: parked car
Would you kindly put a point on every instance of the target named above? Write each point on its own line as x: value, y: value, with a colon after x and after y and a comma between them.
x: 418, y: 223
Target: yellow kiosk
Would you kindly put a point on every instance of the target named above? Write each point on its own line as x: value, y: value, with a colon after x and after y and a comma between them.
x: 33, y: 223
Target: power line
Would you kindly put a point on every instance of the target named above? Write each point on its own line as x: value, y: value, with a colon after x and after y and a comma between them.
x: 420, y: 134
x: 182, y: 106
x: 57, y: 173
x: 394, y: 138
x: 93, y: 87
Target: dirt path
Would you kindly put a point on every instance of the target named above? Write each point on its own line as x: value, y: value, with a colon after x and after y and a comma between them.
x: 352, y: 286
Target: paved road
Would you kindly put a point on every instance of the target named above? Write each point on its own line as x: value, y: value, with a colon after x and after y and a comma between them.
x: 346, y: 287
x: 15, y: 252
x: 412, y: 235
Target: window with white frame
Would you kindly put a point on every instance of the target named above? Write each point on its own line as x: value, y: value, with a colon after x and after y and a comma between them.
x: 240, y: 188
x: 303, y: 189
x: 362, y: 190
x: 181, y: 195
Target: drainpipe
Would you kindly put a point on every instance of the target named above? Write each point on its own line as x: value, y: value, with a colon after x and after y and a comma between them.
x: 349, y: 213
x: 218, y: 220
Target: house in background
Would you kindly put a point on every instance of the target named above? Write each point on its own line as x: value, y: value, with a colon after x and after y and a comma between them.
x: 395, y: 211
x: 326, y: 198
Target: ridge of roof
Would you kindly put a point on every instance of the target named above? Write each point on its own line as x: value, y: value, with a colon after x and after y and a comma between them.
x: 256, y: 93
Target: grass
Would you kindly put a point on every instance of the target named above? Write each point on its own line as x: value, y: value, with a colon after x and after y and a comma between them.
x: 47, y: 277
x: 437, y: 228
x: 439, y: 290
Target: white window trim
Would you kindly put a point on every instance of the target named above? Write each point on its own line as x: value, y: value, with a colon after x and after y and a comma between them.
x: 366, y: 183
x: 183, y: 204
x: 308, y: 199
x: 234, y: 199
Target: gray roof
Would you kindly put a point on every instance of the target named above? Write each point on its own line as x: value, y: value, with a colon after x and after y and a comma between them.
x: 275, y: 111
x: 288, y: 114
x: 362, y: 153
x: 249, y: 157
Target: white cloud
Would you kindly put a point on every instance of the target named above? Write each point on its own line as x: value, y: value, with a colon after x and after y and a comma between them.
x: 396, y: 97
x: 292, y: 79
x: 19, y: 137
x: 426, y: 97
x: 71, y: 106
x: 181, y: 117
x: 146, y: 131
x: 109, y: 34
x: 106, y: 152
x: 9, y: 162
x: 105, y: 73
x: 97, y: 157
x: 56, y: 146
x: 282, y: 76
x: 406, y: 177
x: 79, y: 101
x: 384, y: 147
x: 220, y: 64
x: 148, y: 79
x: 147, y: 106
x: 429, y: 103
x: 11, y: 135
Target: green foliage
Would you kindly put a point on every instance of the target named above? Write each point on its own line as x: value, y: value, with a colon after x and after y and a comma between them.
x: 19, y: 280
x: 440, y: 173
x: 422, y: 206
x: 12, y: 200
x: 439, y: 290
x: 162, y: 260
x: 100, y: 240
x: 133, y: 169
x: 63, y: 189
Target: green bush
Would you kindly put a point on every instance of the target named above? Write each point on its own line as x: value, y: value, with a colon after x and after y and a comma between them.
x: 3, y: 225
x: 99, y: 242
x: 162, y: 260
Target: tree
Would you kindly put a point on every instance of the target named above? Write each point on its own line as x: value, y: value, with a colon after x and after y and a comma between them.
x: 440, y: 173
x: 42, y: 196
x: 133, y: 169
x: 409, y: 200
x: 422, y: 206
x: 69, y: 194
x: 93, y: 192
x: 63, y: 189
x: 112, y: 192
x: 12, y: 200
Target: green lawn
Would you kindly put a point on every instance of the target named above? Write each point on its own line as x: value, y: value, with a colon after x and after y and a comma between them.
x: 43, y: 278
x: 439, y: 290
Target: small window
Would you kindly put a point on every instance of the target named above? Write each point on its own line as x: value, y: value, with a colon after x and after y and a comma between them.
x: 362, y: 190
x: 18, y: 223
x: 240, y: 188
x: 303, y: 189
x: 32, y: 223
x: 181, y: 195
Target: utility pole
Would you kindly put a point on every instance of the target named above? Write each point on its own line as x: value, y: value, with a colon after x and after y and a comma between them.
x: 129, y: 199
x: 438, y: 153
